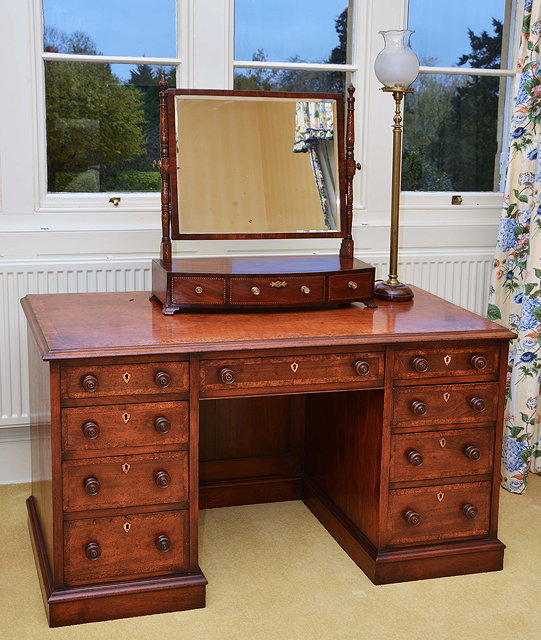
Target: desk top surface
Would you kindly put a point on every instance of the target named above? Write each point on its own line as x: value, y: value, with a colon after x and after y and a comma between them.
x: 112, y: 324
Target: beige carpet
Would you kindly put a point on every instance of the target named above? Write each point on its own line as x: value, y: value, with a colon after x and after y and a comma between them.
x: 275, y: 573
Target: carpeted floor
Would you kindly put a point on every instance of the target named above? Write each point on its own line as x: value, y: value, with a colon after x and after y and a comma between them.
x: 274, y: 573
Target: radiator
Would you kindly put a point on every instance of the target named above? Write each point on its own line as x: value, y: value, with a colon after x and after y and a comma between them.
x: 461, y: 277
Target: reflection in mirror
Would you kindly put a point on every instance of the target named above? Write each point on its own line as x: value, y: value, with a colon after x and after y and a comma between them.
x: 257, y: 165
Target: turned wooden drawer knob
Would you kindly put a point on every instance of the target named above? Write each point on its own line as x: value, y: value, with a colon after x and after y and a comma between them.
x: 90, y: 430
x: 91, y: 486
x: 162, y: 479
x: 415, y: 458
x: 89, y: 383
x: 362, y: 368
x: 471, y: 452
x: 477, y: 404
x: 469, y: 511
x: 162, y: 425
x: 92, y: 551
x: 162, y: 543
x: 418, y: 408
x: 420, y: 365
x: 478, y: 362
x: 227, y: 376
x: 412, y: 518
x: 162, y: 379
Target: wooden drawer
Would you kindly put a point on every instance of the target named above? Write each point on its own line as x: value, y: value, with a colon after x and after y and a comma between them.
x: 126, y: 546
x: 124, y: 481
x: 253, y: 375
x: 131, y: 425
x: 351, y: 287
x: 440, y: 454
x: 124, y: 379
x: 288, y: 290
x: 442, y: 512
x: 445, y: 404
x: 467, y: 361
x: 198, y: 290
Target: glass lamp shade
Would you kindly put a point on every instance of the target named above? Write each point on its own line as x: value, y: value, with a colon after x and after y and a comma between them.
x: 396, y: 65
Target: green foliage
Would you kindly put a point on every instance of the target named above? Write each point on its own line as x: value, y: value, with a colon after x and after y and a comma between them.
x: 132, y: 181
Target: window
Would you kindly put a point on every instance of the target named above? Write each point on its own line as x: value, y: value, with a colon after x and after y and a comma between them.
x: 454, y: 122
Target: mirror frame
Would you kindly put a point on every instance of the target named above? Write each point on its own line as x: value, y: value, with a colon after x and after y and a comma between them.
x: 168, y: 164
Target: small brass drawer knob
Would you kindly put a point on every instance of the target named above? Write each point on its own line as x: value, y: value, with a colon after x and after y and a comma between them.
x: 415, y: 458
x: 227, y: 376
x: 418, y: 408
x: 162, y: 543
x: 162, y: 425
x: 198, y: 289
x: 412, y: 518
x: 89, y: 383
x: 478, y: 362
x: 90, y: 430
x: 469, y: 511
x: 352, y: 284
x: 305, y: 289
x: 162, y: 379
x: 362, y: 368
x: 471, y: 452
x: 477, y: 404
x: 92, y: 551
x: 162, y: 479
x: 91, y: 486
x: 255, y: 290
x: 420, y: 365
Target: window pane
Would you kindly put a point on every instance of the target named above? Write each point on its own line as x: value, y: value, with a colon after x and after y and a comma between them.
x: 282, y: 30
x: 451, y: 134
x: 449, y: 34
x: 111, y: 27
x: 102, y: 126
x: 289, y: 80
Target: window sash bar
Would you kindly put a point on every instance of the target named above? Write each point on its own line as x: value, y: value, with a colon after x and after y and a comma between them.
x: 79, y: 57
x: 468, y: 71
x: 302, y: 66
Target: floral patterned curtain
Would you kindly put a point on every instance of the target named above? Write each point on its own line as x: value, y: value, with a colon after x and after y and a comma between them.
x: 515, y: 292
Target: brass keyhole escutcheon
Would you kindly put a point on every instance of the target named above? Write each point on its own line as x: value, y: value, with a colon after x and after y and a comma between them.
x: 126, y: 377
x: 125, y: 417
x: 447, y: 360
x: 126, y: 526
x: 446, y: 396
x: 440, y: 496
x: 125, y: 467
x: 294, y: 367
x: 443, y: 442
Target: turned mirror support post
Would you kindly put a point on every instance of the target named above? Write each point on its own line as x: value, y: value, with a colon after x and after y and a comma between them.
x: 165, y: 248
x: 346, y: 247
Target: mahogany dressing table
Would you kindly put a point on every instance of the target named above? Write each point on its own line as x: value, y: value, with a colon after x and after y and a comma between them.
x: 385, y: 421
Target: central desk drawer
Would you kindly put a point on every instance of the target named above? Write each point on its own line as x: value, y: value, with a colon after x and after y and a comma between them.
x: 125, y: 546
x: 255, y: 375
x: 122, y: 481
x: 290, y: 290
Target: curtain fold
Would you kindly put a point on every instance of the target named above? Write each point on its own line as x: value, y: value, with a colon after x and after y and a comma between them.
x: 515, y: 291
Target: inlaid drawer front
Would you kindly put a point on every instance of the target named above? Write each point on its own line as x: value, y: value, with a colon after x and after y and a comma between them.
x: 130, y: 425
x: 445, y: 404
x: 124, y: 380
x: 467, y: 361
x: 441, y: 512
x: 194, y: 290
x: 220, y: 377
x: 350, y: 287
x: 123, y: 481
x: 295, y: 290
x: 437, y: 454
x: 125, y: 546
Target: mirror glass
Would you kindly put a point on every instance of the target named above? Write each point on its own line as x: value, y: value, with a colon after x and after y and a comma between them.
x: 257, y: 164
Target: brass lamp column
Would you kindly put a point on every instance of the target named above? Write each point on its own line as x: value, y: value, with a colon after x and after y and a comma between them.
x: 396, y: 68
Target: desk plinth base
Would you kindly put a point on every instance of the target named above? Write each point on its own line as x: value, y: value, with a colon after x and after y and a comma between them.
x: 76, y: 605
x: 405, y: 564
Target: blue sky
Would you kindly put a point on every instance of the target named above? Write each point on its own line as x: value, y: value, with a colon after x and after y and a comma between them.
x: 283, y: 28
